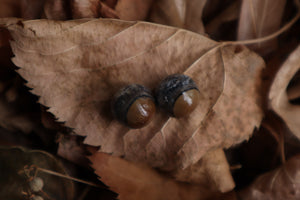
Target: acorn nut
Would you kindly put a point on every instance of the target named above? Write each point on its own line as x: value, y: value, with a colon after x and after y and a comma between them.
x: 134, y: 106
x: 178, y: 94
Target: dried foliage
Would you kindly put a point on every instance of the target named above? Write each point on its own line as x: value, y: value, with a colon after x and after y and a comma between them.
x: 278, y: 98
x: 260, y: 18
x: 136, y: 181
x: 92, y: 56
x: 74, y: 67
x: 181, y: 13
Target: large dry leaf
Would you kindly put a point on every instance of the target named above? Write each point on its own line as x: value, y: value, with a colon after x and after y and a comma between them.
x: 185, y: 14
x: 260, y: 18
x: 77, y: 66
x: 133, y: 182
x: 278, y: 99
x: 282, y: 183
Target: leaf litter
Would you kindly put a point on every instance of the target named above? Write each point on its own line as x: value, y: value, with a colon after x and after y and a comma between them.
x: 204, y: 167
x: 170, y: 143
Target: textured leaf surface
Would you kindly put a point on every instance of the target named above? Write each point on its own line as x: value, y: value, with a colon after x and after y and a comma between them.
x: 134, y: 181
x: 278, y: 98
x: 77, y: 66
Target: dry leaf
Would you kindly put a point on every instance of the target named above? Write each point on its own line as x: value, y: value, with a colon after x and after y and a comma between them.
x: 133, y: 9
x: 282, y: 183
x: 180, y: 13
x: 260, y: 18
x: 278, y: 99
x: 77, y: 66
x: 91, y: 9
x: 228, y: 14
x: 136, y: 181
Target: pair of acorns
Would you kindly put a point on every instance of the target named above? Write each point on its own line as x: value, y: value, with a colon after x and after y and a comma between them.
x: 135, y: 107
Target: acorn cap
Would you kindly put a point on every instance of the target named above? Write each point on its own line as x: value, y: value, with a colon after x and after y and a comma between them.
x: 170, y: 89
x: 125, y: 97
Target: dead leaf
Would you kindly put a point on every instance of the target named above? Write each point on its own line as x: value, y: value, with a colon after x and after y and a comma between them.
x: 133, y: 9
x: 56, y: 10
x: 180, y: 13
x: 278, y: 99
x: 282, y: 183
x: 137, y: 181
x: 260, y: 18
x: 230, y: 13
x: 91, y: 9
x: 13, y: 160
x: 77, y: 66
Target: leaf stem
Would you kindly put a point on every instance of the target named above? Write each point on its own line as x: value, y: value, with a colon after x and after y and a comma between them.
x: 268, y: 37
x: 69, y: 177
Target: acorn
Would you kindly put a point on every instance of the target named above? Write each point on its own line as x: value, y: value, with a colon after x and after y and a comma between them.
x: 178, y: 94
x: 134, y: 106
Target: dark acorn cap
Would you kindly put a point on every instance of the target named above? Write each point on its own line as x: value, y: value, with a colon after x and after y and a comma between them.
x: 171, y: 88
x: 125, y: 97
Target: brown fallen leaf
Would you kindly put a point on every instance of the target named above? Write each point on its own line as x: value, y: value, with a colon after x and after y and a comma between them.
x: 278, y: 99
x: 133, y: 9
x: 185, y: 14
x: 282, y: 183
x: 230, y: 13
x: 259, y: 18
x: 91, y: 9
x: 77, y: 66
x: 136, y: 181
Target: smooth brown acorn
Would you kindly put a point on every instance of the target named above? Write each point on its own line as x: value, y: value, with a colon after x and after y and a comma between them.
x: 134, y: 106
x: 178, y: 94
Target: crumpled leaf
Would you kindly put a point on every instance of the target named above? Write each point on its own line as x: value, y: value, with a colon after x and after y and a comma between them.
x: 185, y: 14
x: 121, y: 9
x: 77, y: 66
x: 278, y: 99
x: 35, y: 9
x: 282, y: 183
x: 136, y: 181
x: 260, y: 18
x: 12, y: 182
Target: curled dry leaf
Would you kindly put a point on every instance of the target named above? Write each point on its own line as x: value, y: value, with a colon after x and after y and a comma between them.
x: 136, y: 181
x: 77, y: 66
x: 282, y: 183
x: 278, y: 99
x: 91, y: 9
x: 260, y: 18
x: 185, y: 14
